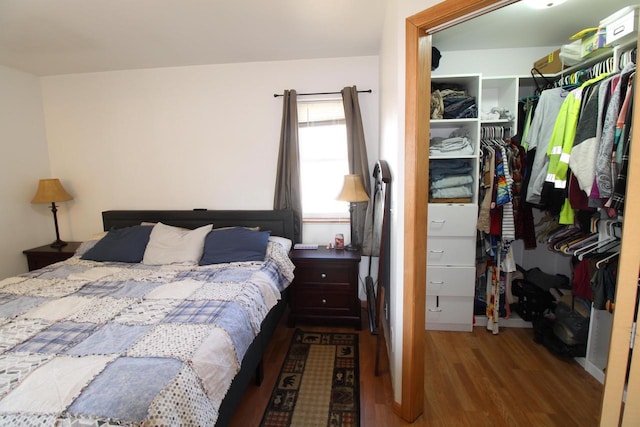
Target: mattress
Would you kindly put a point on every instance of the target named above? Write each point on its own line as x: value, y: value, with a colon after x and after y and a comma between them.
x: 108, y: 343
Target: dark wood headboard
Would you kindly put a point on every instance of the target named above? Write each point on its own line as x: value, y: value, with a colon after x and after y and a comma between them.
x: 279, y: 222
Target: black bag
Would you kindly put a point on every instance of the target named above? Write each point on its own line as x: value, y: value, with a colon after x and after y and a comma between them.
x: 533, y: 301
x: 547, y: 281
x: 570, y: 327
x: 544, y: 334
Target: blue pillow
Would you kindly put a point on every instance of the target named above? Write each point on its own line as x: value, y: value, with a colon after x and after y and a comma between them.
x: 121, y: 245
x: 234, y: 244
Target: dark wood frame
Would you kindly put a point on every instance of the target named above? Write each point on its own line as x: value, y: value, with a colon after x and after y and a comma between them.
x: 378, y: 292
x: 279, y: 222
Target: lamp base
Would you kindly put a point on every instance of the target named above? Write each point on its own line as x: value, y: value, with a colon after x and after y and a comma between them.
x: 352, y: 247
x: 58, y: 244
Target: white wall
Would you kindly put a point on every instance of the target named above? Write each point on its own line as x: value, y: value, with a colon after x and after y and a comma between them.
x: 23, y: 161
x: 183, y: 137
x: 392, y: 126
x: 491, y: 62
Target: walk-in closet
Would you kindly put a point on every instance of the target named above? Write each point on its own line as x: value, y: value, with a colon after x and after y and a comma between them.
x: 528, y: 173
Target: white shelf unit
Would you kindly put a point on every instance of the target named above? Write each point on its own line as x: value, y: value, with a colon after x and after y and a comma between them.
x: 500, y: 93
x: 451, y: 228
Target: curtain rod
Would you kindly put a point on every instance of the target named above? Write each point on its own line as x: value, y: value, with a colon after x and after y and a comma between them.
x: 275, y: 95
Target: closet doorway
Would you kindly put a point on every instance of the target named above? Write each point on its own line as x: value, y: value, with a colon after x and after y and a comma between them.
x: 419, y: 30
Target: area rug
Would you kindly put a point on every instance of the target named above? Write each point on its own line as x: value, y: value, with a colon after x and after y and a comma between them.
x: 318, y: 384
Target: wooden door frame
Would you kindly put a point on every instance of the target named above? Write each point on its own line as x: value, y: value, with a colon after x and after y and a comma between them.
x: 416, y: 175
x: 417, y: 92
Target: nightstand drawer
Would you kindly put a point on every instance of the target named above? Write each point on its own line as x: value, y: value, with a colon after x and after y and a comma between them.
x: 328, y: 272
x: 308, y: 298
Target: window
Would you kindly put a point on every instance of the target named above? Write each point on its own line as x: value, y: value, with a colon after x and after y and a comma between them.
x: 322, y: 137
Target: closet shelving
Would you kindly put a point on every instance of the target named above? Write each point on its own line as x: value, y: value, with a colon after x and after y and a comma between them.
x: 451, y: 230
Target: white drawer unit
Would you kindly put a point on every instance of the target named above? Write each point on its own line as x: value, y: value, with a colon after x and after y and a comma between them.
x: 454, y: 251
x: 449, y: 313
x: 450, y: 281
x: 452, y: 220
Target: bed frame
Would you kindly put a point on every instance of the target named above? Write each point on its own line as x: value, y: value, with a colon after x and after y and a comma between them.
x: 279, y: 222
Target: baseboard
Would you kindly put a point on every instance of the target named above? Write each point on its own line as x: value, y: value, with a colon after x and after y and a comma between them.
x: 514, y: 321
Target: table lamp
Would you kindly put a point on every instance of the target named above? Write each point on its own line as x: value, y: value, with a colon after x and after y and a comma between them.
x: 52, y: 191
x: 352, y: 192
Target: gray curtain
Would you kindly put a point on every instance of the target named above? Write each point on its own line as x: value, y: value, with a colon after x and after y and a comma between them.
x: 358, y: 162
x: 287, y: 192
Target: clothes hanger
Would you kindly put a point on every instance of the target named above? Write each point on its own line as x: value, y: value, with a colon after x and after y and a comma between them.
x: 590, y: 249
x: 605, y: 260
x: 588, y: 239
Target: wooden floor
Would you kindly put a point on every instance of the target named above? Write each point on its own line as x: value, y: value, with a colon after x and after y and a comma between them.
x: 471, y: 379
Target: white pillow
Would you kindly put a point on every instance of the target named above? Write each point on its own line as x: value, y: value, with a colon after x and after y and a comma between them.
x: 286, y: 243
x: 173, y: 245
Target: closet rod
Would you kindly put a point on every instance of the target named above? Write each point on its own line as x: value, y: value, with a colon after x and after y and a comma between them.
x: 275, y: 95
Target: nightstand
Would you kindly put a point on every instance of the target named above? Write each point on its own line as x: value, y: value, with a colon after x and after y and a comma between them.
x: 325, y: 287
x: 45, y: 255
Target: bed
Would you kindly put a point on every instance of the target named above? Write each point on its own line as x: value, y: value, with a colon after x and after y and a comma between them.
x: 132, y: 331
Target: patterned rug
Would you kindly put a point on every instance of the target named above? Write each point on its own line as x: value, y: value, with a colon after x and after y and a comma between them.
x: 318, y: 385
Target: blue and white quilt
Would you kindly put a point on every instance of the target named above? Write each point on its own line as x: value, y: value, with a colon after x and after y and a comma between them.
x: 86, y: 343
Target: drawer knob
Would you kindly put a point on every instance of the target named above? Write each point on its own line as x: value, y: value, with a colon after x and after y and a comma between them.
x: 434, y: 282
x: 435, y: 310
x: 323, y: 275
x: 439, y: 221
x: 436, y: 252
x: 324, y: 301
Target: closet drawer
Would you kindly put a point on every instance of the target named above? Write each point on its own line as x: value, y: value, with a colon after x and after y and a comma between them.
x: 451, y: 251
x: 451, y: 281
x: 449, y: 313
x: 452, y: 220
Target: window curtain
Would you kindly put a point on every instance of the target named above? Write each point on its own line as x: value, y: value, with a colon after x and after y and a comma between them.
x: 358, y: 164
x: 287, y: 191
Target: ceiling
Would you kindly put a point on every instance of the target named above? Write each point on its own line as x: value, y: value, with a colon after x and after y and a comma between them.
x: 520, y: 25
x: 80, y: 36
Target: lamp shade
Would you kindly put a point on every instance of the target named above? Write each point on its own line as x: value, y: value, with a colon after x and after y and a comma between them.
x: 49, y: 191
x: 352, y: 190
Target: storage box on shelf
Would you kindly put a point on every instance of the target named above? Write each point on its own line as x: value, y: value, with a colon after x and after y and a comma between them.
x: 621, y: 27
x: 549, y: 64
x: 592, y: 42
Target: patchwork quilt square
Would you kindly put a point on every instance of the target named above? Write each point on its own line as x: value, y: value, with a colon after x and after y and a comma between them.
x: 101, y: 310
x: 17, y: 331
x: 229, y: 316
x: 57, y: 338
x: 70, y: 374
x: 138, y: 381
x: 146, y: 312
x: 170, y: 340
x: 16, y: 366
x: 17, y: 305
x: 112, y: 338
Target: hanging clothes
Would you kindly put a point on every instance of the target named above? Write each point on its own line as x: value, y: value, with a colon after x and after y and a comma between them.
x: 538, y: 138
